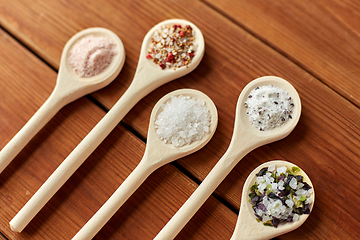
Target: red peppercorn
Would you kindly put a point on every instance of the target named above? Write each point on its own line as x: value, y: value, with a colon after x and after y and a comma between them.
x: 188, y: 28
x: 170, y: 56
x: 191, y: 55
x: 148, y: 56
x: 176, y: 26
x: 181, y: 33
x: 162, y: 65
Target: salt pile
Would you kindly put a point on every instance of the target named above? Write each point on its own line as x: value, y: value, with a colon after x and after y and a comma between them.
x: 91, y: 55
x: 183, y: 121
x: 280, y: 196
x: 269, y: 107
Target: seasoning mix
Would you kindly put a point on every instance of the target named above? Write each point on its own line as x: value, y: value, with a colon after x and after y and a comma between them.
x: 279, y: 195
x: 269, y: 107
x: 172, y: 46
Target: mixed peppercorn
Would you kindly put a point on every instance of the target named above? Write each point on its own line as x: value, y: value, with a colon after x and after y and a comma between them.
x: 172, y: 46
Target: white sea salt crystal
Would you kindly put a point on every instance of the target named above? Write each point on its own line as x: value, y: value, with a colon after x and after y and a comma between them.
x: 301, y: 192
x: 295, y: 217
x: 280, y: 170
x: 300, y: 185
x: 271, y: 168
x: 269, y: 107
x: 289, y: 203
x: 293, y: 183
x: 308, y: 200
x: 259, y: 211
x: 183, y: 121
x: 281, y: 185
x: 260, y: 179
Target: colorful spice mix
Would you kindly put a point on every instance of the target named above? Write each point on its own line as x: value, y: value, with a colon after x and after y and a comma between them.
x: 280, y: 196
x: 172, y: 46
x: 269, y: 107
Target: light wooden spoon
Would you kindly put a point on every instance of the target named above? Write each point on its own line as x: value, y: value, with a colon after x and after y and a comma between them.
x: 148, y: 76
x: 247, y: 227
x: 157, y: 154
x: 68, y: 88
x: 245, y: 138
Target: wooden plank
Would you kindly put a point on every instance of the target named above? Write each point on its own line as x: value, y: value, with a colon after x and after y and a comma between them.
x: 322, y: 37
x: 25, y: 84
x: 325, y: 144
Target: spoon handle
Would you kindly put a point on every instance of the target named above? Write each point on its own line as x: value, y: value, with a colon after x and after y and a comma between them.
x: 76, y: 158
x: 43, y: 115
x: 201, y: 194
x: 112, y: 205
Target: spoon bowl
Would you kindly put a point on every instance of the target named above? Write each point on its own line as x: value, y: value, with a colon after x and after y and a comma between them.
x: 68, y: 88
x: 157, y: 153
x: 246, y: 137
x: 242, y: 120
x: 247, y: 227
x: 148, y: 76
x: 165, y: 153
x: 75, y: 86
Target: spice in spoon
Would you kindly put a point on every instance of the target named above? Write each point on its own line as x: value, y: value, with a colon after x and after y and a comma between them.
x: 279, y: 195
x: 91, y: 55
x: 183, y: 120
x: 172, y: 46
x: 269, y: 107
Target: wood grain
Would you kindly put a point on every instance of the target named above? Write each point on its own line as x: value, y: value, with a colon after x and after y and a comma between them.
x: 313, y: 45
x: 323, y: 37
x: 141, y: 218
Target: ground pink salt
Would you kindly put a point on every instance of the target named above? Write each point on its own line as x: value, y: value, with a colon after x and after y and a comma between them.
x: 91, y: 55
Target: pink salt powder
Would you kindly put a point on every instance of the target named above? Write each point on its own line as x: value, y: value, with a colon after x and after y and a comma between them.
x: 91, y: 55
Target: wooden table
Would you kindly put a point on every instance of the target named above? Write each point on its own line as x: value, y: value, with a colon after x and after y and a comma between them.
x: 315, y: 45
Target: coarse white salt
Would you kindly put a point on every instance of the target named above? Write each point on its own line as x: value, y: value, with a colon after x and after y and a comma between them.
x: 91, y: 55
x: 271, y: 168
x: 269, y: 107
x: 183, y: 120
x: 293, y: 183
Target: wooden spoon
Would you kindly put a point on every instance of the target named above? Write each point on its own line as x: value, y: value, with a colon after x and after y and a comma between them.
x: 247, y: 227
x: 148, y: 76
x: 157, y: 154
x: 245, y: 138
x: 69, y: 87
